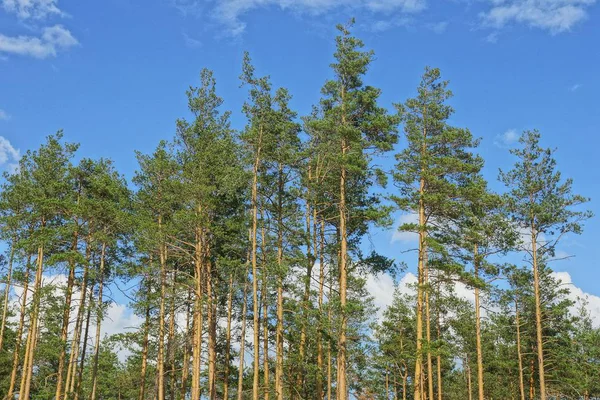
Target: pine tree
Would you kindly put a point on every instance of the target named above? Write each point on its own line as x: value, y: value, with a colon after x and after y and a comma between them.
x: 543, y: 206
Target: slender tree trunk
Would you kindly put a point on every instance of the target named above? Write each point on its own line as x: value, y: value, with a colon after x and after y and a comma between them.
x: 468, y: 373
x: 145, y: 348
x: 171, y: 339
x: 19, y: 337
x: 404, y: 385
x: 7, y: 291
x: 65, y: 322
x: 306, y: 296
x: 256, y: 372
x: 319, y: 387
x: 538, y: 315
x: 228, y: 339
x: 212, y: 333
x: 329, y: 341
x: 72, y: 366
x: 85, y: 342
x: 342, y: 390
x: 99, y: 317
x: 421, y: 281
x: 439, y: 359
x: 531, y: 380
x: 387, y: 384
x: 186, y: 346
x: 480, y: 387
x: 198, y: 322
x: 279, y: 328
x: 428, y: 334
x: 33, y: 327
x: 519, y: 355
x: 240, y: 391
x: 160, y: 361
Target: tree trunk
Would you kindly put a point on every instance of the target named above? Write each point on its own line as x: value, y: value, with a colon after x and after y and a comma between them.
x: 538, y: 315
x: 256, y: 372
x: 428, y: 334
x: 65, y: 322
x: 99, y: 317
x: 480, y: 387
x: 240, y: 392
x: 306, y: 296
x: 320, y: 302
x: 279, y: 328
x: 212, y: 333
x: 342, y: 390
x: 19, y: 337
x: 160, y: 361
x: 468, y: 371
x: 145, y: 348
x: 228, y: 339
x: 439, y: 359
x: 198, y: 322
x: 7, y: 292
x: 419, y: 314
x: 85, y: 342
x: 186, y: 346
x: 171, y: 339
x: 519, y: 355
x: 33, y: 327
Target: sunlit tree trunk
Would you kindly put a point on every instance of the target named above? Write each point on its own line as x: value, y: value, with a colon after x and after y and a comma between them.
x: 19, y: 336
x: 145, y: 350
x: 228, y: 339
x: 240, y: 392
x: 519, y: 354
x: 538, y: 314
x: 99, y: 317
x: 7, y: 292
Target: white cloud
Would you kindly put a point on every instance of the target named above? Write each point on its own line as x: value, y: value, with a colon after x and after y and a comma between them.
x: 578, y: 296
x: 507, y: 138
x: 52, y: 40
x: 404, y: 236
x: 9, y: 156
x: 555, y: 16
x: 230, y: 12
x: 32, y: 9
x: 492, y: 37
x: 4, y: 116
x: 190, y: 41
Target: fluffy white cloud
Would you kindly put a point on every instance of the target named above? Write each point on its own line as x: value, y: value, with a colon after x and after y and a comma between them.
x: 553, y: 15
x: 4, y: 116
x: 580, y: 297
x: 230, y: 12
x: 404, y: 236
x: 507, y: 138
x: 32, y: 9
x: 9, y: 156
x: 52, y: 40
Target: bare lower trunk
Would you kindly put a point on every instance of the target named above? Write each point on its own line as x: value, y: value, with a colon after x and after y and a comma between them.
x: 519, y: 355
x: 418, y: 381
x: 342, y: 389
x: 240, y: 393
x: 428, y: 335
x: 320, y: 303
x: 85, y: 342
x: 439, y: 359
x: 33, y: 327
x: 212, y: 333
x: 186, y: 346
x: 65, y: 323
x: 480, y: 388
x: 171, y: 340
x: 198, y: 321
x: 7, y: 292
x: 19, y: 337
x: 72, y: 367
x: 255, y: 311
x: 145, y: 352
x: 99, y: 317
x: 160, y: 361
x: 228, y: 339
x: 279, y: 328
x: 265, y: 340
x: 538, y: 316
x: 468, y: 372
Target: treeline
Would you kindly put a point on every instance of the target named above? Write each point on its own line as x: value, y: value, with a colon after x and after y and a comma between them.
x: 241, y: 253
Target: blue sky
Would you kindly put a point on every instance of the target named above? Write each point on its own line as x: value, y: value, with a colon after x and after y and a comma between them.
x: 113, y: 74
